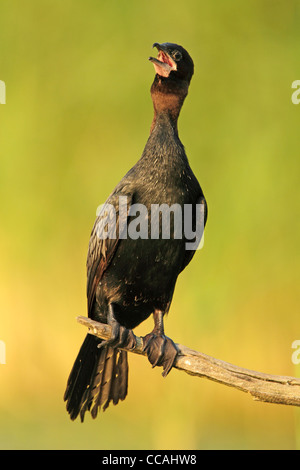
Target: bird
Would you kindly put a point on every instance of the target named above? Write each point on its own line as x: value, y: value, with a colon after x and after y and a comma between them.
x: 130, y: 278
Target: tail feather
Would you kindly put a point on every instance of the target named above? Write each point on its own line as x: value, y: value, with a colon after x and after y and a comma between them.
x: 120, y: 385
x: 100, y: 394
x: 98, y: 377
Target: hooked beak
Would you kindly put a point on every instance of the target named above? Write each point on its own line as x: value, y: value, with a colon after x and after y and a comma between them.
x: 163, y: 64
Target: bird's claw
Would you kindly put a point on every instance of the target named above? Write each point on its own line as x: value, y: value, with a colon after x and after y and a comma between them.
x: 121, y: 337
x: 161, y: 351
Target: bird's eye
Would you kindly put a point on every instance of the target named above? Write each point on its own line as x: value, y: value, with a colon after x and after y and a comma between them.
x: 176, y: 55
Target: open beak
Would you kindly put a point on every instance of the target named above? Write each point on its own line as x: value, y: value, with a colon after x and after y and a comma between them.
x: 164, y: 63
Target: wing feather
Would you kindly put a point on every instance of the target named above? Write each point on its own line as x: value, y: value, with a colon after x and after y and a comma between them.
x: 104, y: 240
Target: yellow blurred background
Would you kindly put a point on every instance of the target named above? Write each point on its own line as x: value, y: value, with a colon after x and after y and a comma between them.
x: 77, y: 116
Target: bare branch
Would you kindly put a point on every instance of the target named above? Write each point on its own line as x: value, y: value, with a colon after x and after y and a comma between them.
x: 263, y: 387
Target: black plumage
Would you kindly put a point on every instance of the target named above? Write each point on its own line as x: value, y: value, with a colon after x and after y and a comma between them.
x: 130, y: 278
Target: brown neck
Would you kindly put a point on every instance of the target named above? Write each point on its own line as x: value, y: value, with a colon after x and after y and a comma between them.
x: 167, y: 100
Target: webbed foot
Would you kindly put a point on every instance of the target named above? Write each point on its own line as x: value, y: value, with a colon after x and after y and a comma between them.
x: 121, y: 337
x: 161, y: 351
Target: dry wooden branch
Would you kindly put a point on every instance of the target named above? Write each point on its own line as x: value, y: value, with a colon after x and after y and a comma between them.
x: 263, y: 387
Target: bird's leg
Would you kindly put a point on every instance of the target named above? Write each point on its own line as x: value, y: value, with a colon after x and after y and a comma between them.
x: 160, y: 349
x: 121, y: 337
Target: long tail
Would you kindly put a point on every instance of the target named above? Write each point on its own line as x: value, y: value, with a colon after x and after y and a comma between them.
x: 98, y: 377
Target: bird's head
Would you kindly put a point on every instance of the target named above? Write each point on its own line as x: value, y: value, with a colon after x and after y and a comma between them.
x: 173, y: 62
x: 174, y: 69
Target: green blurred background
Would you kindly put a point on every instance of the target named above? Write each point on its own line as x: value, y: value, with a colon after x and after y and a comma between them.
x: 77, y: 116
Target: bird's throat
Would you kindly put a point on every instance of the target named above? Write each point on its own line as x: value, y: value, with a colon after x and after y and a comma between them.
x: 167, y: 101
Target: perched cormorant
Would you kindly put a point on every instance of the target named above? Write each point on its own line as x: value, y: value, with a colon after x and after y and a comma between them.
x: 131, y: 277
